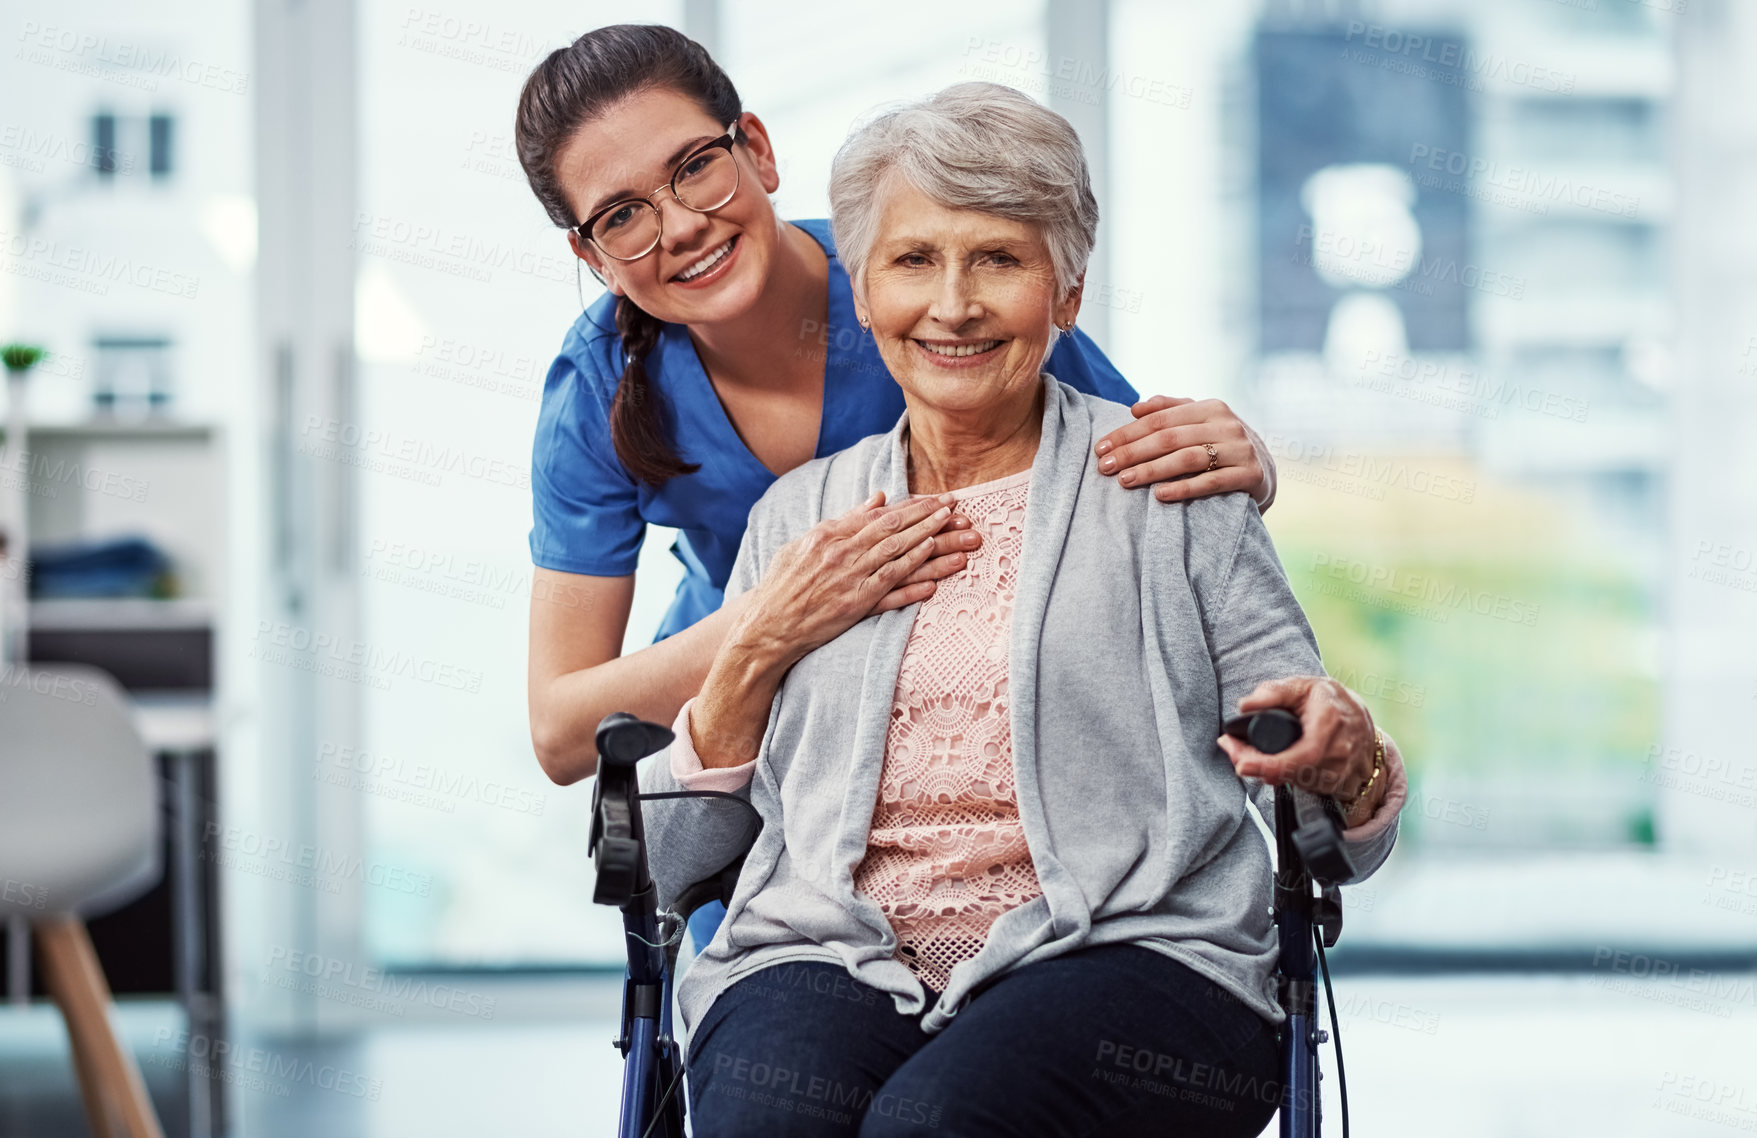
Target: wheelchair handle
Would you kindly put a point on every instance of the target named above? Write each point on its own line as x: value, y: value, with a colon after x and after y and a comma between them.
x: 623, y: 740
x: 1271, y: 731
x: 1317, y: 833
x: 618, y: 837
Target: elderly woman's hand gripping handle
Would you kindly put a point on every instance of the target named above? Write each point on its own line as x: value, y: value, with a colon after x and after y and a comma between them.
x: 838, y: 573
x: 1335, y: 753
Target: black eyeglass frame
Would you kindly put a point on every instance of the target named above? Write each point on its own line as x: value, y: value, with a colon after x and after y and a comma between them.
x: 724, y: 142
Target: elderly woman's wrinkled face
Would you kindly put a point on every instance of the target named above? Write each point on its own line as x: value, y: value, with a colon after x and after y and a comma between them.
x: 963, y: 304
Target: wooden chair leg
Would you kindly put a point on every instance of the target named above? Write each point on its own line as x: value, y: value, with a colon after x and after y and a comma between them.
x: 97, y: 1112
x: 115, y: 1095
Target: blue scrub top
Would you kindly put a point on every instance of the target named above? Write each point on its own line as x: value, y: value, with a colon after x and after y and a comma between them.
x: 591, y: 515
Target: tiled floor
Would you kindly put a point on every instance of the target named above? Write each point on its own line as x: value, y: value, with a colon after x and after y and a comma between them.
x: 1497, y: 1057
x: 430, y: 1080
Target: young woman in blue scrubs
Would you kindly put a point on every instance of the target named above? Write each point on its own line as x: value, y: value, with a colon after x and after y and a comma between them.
x: 725, y: 354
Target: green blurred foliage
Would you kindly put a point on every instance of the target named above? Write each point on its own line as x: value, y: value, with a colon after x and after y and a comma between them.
x: 1564, y: 680
x: 21, y: 357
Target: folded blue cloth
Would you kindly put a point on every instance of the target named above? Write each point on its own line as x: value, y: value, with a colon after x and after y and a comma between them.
x: 115, y: 567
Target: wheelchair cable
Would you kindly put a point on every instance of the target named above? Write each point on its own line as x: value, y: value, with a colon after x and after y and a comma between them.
x: 676, y: 935
x: 1335, y: 1028
x: 659, y: 1107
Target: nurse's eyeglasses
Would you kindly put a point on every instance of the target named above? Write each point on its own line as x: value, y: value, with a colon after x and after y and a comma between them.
x: 704, y: 181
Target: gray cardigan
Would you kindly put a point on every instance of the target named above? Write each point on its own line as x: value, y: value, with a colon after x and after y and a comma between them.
x: 1136, y: 626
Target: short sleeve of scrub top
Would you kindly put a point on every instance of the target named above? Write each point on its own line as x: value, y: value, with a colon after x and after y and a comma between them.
x: 587, y: 513
x: 590, y: 515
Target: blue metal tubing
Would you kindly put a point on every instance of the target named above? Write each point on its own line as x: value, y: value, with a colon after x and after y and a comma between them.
x: 1298, y: 966
x: 640, y: 1026
x: 665, y: 1007
x: 1299, y: 1052
x: 639, y: 1078
x: 1299, y: 1080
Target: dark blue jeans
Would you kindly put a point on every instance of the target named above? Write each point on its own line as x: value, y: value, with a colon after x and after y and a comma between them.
x: 1117, y: 1040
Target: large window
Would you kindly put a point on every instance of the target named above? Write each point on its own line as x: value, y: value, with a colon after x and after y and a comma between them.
x: 1469, y: 506
x: 1473, y: 505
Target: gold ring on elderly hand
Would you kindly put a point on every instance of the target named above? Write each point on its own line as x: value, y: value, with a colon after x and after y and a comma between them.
x: 1213, y: 460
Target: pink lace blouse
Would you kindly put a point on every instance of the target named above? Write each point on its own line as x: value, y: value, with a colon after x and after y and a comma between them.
x: 946, y: 854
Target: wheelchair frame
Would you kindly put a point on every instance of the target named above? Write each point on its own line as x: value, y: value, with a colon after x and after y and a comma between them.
x: 1311, y: 862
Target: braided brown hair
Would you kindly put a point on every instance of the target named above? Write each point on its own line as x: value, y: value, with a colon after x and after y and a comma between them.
x: 570, y: 87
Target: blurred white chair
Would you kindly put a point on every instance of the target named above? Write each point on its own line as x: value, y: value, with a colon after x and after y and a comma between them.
x: 79, y: 836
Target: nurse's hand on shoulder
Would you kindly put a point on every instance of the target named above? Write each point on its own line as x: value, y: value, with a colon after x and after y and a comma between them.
x: 843, y: 570
x: 1187, y: 448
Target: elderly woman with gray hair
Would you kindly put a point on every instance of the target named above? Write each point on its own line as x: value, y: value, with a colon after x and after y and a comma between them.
x: 1006, y: 854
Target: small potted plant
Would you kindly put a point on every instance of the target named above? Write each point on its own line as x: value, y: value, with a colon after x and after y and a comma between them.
x: 20, y: 358
x: 14, y: 558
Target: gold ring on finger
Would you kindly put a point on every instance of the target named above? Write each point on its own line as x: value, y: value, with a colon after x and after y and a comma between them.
x: 1213, y: 457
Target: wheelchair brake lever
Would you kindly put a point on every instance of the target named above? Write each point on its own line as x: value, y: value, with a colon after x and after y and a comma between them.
x: 1319, y: 841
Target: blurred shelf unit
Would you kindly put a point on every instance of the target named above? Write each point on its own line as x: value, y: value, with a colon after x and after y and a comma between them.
x: 122, y: 614
x: 118, y: 427
x: 160, y: 478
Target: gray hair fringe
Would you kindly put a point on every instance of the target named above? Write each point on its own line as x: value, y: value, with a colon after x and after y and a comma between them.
x: 977, y: 146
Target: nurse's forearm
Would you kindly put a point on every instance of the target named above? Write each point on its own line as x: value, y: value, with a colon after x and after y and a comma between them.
x: 652, y: 683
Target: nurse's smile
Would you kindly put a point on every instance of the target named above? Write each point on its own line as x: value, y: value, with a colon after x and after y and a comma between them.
x: 711, y: 267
